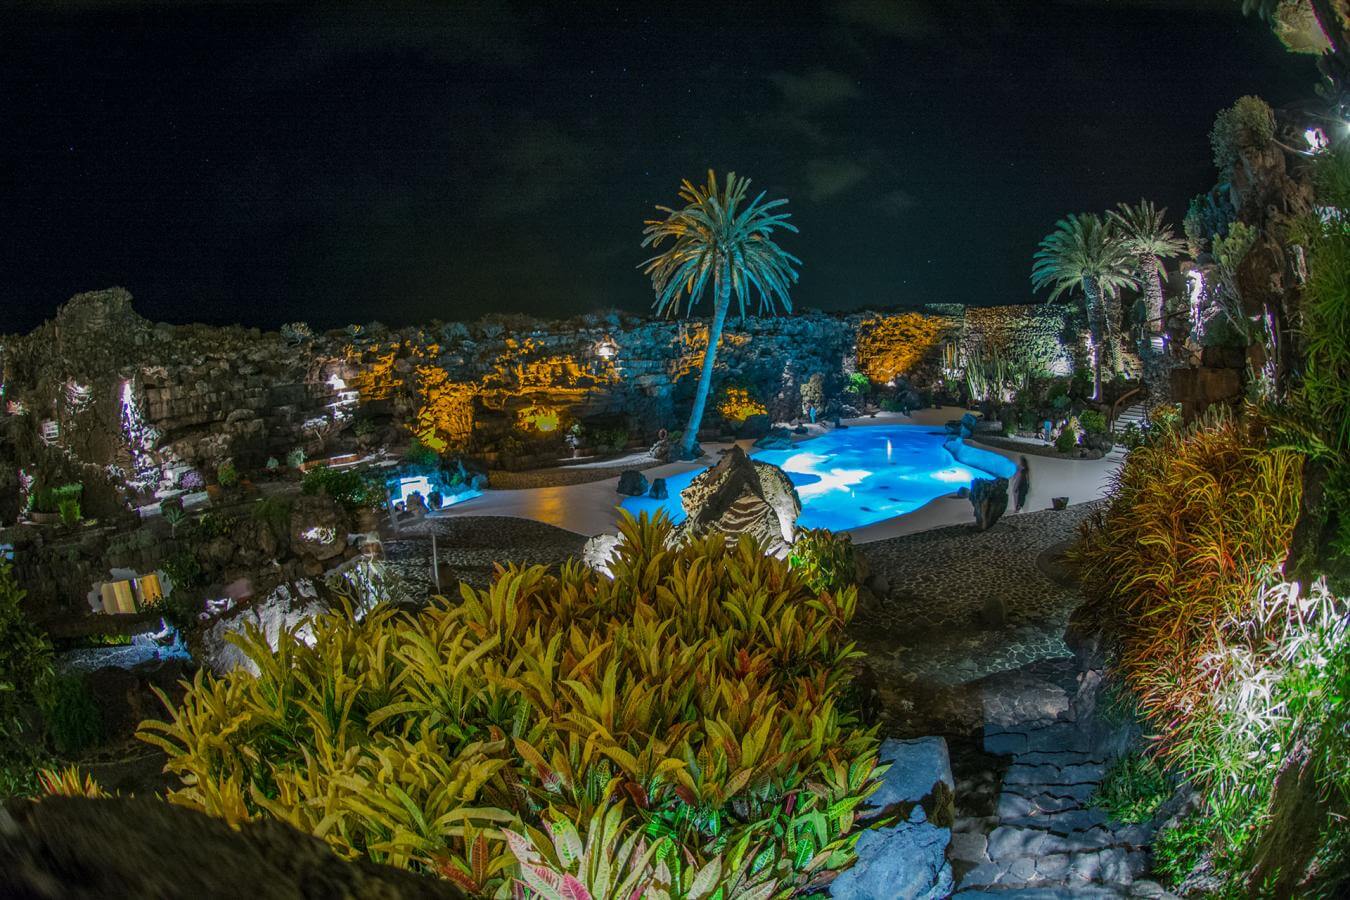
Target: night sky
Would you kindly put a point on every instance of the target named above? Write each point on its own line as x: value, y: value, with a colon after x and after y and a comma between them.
x: 403, y: 162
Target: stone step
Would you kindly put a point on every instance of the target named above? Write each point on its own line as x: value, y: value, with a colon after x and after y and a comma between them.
x: 1114, y: 866
x: 1049, y: 773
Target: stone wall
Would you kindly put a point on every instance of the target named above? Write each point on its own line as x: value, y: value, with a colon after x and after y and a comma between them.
x: 103, y: 396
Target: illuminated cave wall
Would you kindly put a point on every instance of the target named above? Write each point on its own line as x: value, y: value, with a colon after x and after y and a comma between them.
x: 101, y: 395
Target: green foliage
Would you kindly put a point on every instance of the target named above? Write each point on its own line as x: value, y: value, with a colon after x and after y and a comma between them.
x: 274, y: 511
x: 1178, y: 849
x: 25, y: 654
x: 1067, y: 441
x: 826, y: 559
x: 25, y: 664
x: 226, y: 475
x: 418, y: 454
x: 69, y: 510
x: 1318, y: 422
x: 1146, y: 234
x: 612, y: 439
x: 1209, y: 215
x: 348, y: 487
x: 1133, y: 789
x: 173, y: 513
x: 47, y: 499
x: 1082, y: 249
x: 296, y: 458
x: 1093, y: 421
x: 71, y: 717
x: 859, y: 385
x: 1247, y: 124
x: 691, y: 702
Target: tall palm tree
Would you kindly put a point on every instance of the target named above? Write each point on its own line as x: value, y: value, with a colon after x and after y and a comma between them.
x: 718, y: 236
x: 1084, y: 252
x: 1149, y: 240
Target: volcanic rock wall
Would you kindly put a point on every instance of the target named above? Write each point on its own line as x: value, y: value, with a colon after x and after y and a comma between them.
x: 103, y: 396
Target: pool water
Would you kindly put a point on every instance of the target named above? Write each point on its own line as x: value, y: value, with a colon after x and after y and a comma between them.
x: 851, y: 477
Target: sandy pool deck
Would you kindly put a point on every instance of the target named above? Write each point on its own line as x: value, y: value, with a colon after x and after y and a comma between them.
x: 593, y: 508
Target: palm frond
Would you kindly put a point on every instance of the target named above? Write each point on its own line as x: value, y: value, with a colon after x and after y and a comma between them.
x: 717, y: 228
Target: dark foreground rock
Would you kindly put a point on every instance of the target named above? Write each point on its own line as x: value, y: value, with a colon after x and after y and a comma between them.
x: 139, y: 847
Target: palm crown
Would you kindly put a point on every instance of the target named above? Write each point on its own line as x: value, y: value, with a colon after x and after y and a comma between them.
x: 717, y: 234
x: 1144, y: 232
x: 1082, y: 247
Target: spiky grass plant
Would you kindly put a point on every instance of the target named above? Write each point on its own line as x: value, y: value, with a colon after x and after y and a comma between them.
x: 1197, y: 517
x: 692, y: 701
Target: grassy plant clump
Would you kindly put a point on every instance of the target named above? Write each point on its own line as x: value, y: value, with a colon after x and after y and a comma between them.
x: 1198, y: 515
x: 1134, y: 789
x: 675, y: 729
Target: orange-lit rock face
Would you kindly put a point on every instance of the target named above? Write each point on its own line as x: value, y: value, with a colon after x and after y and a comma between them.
x: 543, y: 419
x: 737, y: 405
x: 896, y: 345
x: 375, y: 378
x: 445, y: 417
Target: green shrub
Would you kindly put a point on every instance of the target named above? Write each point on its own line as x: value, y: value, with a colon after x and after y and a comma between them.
x: 226, y: 475
x: 296, y: 458
x: 825, y: 559
x: 69, y: 713
x: 1248, y: 123
x: 348, y: 487
x: 69, y: 510
x: 419, y: 454
x: 1093, y: 422
x: 1133, y: 789
x: 25, y: 663
x: 273, y: 511
x: 1067, y: 441
x: 691, y: 701
x: 46, y: 499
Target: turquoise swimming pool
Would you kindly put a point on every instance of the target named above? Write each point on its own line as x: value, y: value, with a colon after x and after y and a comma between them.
x: 852, y: 477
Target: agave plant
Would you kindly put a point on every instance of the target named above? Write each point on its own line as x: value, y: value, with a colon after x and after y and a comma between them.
x: 1149, y: 240
x: 717, y: 237
x: 1085, y: 253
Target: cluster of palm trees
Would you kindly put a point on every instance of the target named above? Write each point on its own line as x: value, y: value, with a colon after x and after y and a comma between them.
x: 1098, y: 256
x: 718, y: 239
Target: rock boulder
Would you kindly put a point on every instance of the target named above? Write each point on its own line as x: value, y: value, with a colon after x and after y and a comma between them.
x: 742, y: 496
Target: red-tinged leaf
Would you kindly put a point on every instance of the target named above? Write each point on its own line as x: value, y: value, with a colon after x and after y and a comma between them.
x: 571, y: 889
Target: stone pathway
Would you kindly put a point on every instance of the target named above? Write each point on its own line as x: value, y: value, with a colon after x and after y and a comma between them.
x: 969, y: 644
x: 470, y: 548
x: 1042, y: 837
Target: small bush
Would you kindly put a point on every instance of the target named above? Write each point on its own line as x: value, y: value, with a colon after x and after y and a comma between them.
x: 226, y: 475
x: 1133, y: 789
x: 347, y: 486
x: 419, y: 454
x: 1067, y: 441
x: 1093, y: 422
x: 69, y: 510
x: 691, y: 702
x: 68, y: 710
x: 825, y: 559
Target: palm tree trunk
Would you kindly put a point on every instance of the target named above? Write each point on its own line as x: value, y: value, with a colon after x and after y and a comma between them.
x: 1092, y: 294
x: 722, y: 290
x: 1153, y: 286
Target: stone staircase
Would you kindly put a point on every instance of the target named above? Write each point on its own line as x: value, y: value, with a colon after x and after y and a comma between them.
x: 1045, y: 839
x: 1136, y: 415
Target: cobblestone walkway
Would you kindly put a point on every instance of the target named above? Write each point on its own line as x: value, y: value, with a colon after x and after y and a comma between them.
x: 469, y: 549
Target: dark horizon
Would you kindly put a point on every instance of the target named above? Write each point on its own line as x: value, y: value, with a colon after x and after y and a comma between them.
x: 262, y: 164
